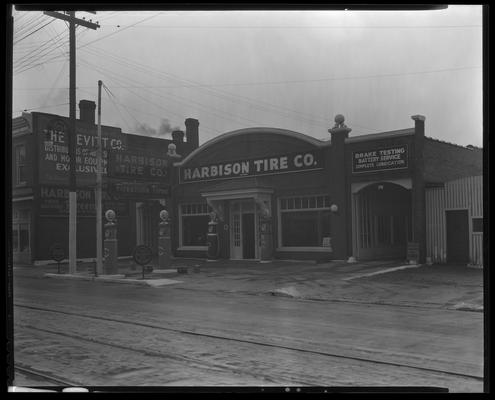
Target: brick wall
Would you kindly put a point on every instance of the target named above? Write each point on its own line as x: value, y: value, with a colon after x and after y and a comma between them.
x: 445, y: 161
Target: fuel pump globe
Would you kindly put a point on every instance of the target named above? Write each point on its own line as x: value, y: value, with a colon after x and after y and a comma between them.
x: 110, y: 215
x: 164, y: 215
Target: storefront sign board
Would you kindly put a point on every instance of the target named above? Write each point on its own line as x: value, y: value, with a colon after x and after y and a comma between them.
x: 388, y: 158
x: 279, y: 164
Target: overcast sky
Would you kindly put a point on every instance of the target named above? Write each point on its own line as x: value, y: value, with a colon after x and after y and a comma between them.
x: 238, y: 69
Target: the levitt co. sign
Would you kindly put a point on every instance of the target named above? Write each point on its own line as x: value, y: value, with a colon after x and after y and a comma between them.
x: 295, y: 162
x: 381, y: 159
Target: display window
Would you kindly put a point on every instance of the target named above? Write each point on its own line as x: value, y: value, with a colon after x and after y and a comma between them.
x: 194, y: 218
x: 20, y: 165
x: 305, y: 222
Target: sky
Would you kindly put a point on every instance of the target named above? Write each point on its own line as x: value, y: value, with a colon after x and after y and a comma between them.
x: 231, y: 70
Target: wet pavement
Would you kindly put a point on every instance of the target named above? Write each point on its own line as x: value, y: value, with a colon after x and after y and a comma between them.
x: 247, y: 323
x: 382, y: 282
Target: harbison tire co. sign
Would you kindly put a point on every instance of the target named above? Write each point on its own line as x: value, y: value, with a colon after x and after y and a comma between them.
x: 280, y: 164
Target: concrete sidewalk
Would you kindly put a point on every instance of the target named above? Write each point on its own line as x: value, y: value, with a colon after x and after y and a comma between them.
x: 382, y: 282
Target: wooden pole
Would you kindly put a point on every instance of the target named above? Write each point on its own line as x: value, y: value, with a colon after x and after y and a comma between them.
x: 99, y: 208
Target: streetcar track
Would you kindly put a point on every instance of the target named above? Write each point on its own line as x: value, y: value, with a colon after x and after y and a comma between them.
x: 48, y: 377
x: 207, y: 365
x: 247, y: 341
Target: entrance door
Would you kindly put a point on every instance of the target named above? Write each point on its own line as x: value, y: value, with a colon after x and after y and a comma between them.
x: 21, y: 228
x: 383, y: 221
x: 147, y: 217
x: 457, y: 236
x: 248, y: 250
x: 243, y: 230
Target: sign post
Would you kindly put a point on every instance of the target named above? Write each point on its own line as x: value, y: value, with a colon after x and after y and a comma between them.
x: 99, y: 210
x: 143, y: 255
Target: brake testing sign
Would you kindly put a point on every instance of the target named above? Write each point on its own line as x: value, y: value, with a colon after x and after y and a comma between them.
x: 380, y: 159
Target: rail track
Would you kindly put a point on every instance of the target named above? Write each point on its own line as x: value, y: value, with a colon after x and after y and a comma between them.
x: 45, y: 378
x: 217, y: 337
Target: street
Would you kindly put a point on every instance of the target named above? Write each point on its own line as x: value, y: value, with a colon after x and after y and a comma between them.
x: 96, y: 334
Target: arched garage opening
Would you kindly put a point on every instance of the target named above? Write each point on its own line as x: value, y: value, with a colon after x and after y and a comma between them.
x: 382, y: 221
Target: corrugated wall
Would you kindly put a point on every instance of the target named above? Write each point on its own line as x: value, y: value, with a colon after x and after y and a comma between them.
x: 465, y: 193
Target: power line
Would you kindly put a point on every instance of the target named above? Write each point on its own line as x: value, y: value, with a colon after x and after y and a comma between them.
x: 314, y: 80
x: 55, y: 58
x: 225, y: 95
x: 48, y: 23
x: 44, y: 49
x: 39, y: 108
x: 176, y: 98
x: 114, y: 33
x: 343, y: 27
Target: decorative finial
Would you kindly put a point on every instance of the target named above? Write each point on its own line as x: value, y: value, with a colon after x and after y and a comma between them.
x: 339, y: 121
x: 172, y: 151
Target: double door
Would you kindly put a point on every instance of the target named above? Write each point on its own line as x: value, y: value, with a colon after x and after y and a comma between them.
x: 244, y: 225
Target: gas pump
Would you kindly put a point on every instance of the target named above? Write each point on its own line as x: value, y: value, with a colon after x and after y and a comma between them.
x: 212, y: 238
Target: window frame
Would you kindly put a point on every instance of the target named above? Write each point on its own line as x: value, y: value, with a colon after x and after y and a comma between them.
x: 191, y: 206
x: 19, y: 164
x: 316, y: 199
x: 477, y: 232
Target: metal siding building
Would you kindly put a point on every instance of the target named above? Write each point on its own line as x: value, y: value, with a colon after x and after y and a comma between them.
x: 466, y: 195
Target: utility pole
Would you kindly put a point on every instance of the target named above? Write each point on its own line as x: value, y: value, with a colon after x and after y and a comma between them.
x: 99, y: 211
x: 73, y: 21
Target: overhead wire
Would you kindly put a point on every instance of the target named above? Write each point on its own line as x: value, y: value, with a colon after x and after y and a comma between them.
x: 159, y: 106
x: 56, y: 58
x: 137, y: 65
x: 48, y: 96
x: 41, y: 107
x: 278, y: 82
x: 33, y: 32
x: 230, y: 97
x: 29, y: 28
x: 25, y: 26
x: 26, y: 62
x: 43, y: 49
x: 119, y: 31
x: 112, y: 97
x: 175, y: 98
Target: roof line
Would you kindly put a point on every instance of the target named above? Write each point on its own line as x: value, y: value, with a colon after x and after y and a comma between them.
x: 238, y: 132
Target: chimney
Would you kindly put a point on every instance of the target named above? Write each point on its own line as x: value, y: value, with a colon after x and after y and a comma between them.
x: 87, y: 111
x: 192, y: 133
x: 178, y: 137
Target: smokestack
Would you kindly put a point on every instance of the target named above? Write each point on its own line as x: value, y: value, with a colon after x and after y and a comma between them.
x: 192, y: 133
x: 178, y: 137
x: 87, y: 111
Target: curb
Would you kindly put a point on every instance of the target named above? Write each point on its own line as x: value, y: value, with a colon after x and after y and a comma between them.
x: 383, y: 271
x: 115, y: 279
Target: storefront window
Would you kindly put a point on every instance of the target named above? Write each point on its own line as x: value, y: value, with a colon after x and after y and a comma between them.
x: 20, y: 167
x: 305, y: 221
x: 477, y: 225
x: 194, y: 224
x: 20, y: 236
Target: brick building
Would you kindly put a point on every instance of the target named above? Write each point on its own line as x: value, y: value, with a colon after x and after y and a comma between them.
x: 136, y: 178
x: 255, y: 193
x: 280, y: 194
